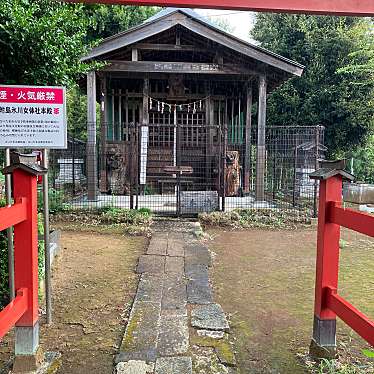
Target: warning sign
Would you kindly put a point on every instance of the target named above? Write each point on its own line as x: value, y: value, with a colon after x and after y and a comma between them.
x: 32, y: 117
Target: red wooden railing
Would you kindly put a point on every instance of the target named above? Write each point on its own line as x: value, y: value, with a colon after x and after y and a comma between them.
x: 328, y: 303
x: 23, y: 310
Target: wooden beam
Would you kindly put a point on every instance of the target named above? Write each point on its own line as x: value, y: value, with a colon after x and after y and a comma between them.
x: 247, y: 137
x: 177, y: 67
x: 248, y: 50
x: 332, y: 7
x: 116, y: 42
x: 103, y: 131
x: 91, y: 137
x: 170, y: 47
x: 261, y: 133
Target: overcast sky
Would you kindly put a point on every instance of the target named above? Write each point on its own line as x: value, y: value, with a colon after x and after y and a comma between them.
x: 242, y: 22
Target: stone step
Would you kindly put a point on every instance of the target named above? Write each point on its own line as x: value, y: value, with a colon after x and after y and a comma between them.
x: 174, y: 365
x: 151, y: 264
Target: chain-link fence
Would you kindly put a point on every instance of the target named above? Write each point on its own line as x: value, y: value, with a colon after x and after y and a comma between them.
x: 179, y: 165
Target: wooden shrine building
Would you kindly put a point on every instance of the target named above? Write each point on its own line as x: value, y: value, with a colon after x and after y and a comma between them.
x: 177, y: 91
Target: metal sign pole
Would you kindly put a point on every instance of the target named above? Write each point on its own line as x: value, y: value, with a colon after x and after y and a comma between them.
x: 47, y: 253
x: 9, y: 231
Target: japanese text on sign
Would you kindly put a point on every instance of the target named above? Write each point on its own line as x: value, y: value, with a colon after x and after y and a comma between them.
x: 32, y: 117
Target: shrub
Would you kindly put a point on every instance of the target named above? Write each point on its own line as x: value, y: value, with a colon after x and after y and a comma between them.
x: 56, y: 201
x: 246, y: 218
x: 126, y: 216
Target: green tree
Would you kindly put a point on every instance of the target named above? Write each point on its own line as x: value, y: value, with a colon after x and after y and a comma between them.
x: 361, y: 60
x: 110, y: 20
x: 41, y: 42
x: 322, y: 96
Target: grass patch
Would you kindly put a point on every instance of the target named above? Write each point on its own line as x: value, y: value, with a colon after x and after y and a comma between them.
x: 251, y: 218
x: 338, y: 366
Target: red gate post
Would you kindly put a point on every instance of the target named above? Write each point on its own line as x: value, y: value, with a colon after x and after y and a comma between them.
x: 327, y: 265
x: 27, y: 353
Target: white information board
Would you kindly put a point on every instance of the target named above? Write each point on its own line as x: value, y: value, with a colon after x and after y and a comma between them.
x: 33, y: 117
x: 143, y: 154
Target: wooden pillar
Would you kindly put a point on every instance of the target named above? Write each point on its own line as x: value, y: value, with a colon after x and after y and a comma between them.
x: 209, y: 120
x: 145, y: 117
x: 103, y: 131
x: 248, y: 145
x: 91, y: 137
x: 261, y: 126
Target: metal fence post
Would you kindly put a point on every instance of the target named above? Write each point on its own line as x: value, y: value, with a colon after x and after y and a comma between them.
x: 315, y: 195
x: 8, y: 197
x: 47, y: 253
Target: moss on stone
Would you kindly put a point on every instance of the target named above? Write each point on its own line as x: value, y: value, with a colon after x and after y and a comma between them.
x: 222, y: 347
x: 128, y: 338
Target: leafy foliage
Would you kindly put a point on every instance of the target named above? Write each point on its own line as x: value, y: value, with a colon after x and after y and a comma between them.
x: 127, y: 216
x: 322, y: 96
x: 109, y: 20
x: 42, y: 42
x: 56, y: 201
x: 363, y: 161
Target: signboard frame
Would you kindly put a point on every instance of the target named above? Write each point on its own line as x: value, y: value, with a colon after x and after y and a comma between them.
x: 64, y: 123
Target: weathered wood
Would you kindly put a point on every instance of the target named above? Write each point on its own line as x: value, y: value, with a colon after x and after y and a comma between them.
x: 261, y: 150
x: 145, y: 113
x: 176, y: 67
x: 247, y: 137
x: 103, y: 130
x: 91, y: 136
x: 170, y: 47
x: 120, y: 127
x: 134, y: 55
x: 125, y: 39
x: 113, y: 120
x: 252, y: 51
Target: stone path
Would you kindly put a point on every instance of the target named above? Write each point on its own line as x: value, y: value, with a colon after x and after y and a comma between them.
x: 174, y: 325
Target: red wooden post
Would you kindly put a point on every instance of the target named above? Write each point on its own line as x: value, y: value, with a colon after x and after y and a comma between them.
x: 327, y: 268
x: 26, y: 269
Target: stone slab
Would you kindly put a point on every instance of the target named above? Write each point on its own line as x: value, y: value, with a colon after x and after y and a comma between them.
x: 151, y: 264
x: 174, y: 296
x: 173, y: 337
x: 174, y: 365
x: 150, y: 288
x: 209, y: 317
x: 140, y: 338
x: 175, y: 248
x: 174, y: 265
x: 198, y: 254
x: 158, y: 245
x: 134, y: 367
x: 197, y: 272
x: 199, y: 292
x: 211, y: 334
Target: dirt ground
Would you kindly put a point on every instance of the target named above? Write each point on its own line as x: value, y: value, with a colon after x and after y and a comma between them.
x: 93, y: 284
x: 265, y: 280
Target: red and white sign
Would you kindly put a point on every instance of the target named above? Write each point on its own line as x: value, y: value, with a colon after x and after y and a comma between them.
x: 32, y: 117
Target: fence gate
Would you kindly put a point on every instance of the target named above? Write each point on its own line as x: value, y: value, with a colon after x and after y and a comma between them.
x: 180, y: 164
